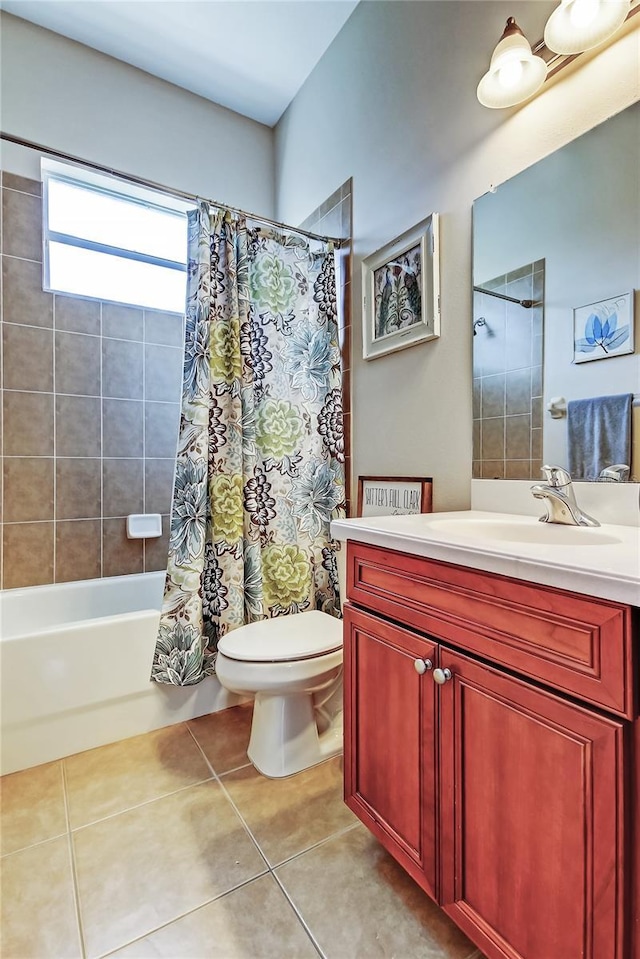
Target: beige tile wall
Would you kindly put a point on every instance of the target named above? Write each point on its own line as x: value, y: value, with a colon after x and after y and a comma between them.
x: 89, y: 410
x: 507, y: 377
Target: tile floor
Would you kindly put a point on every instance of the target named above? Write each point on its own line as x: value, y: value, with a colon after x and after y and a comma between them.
x: 171, y: 845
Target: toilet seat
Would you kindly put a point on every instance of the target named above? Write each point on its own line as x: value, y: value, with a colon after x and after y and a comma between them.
x: 284, y: 638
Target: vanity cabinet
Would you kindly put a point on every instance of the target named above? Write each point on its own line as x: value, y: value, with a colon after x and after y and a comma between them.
x: 391, y: 745
x: 504, y: 792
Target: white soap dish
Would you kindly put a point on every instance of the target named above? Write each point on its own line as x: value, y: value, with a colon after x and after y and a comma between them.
x: 144, y: 525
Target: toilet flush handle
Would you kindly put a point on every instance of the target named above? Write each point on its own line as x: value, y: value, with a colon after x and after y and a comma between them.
x: 422, y: 665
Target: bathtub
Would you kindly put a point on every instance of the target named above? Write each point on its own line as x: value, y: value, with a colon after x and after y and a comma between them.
x: 75, y: 660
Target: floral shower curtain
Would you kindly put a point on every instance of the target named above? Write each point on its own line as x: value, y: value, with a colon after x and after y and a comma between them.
x: 260, y: 465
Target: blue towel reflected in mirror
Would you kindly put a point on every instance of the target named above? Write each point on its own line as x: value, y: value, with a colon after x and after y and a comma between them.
x: 599, y: 434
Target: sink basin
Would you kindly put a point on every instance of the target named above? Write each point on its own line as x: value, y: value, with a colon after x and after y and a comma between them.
x: 546, y: 534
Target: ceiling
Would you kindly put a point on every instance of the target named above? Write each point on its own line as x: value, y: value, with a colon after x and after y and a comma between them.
x: 249, y: 55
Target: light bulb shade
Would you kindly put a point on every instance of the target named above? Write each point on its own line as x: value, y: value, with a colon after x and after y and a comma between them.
x: 514, y: 73
x: 579, y: 25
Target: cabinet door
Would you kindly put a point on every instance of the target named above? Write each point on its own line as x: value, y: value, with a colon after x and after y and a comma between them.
x: 390, y: 740
x: 531, y: 818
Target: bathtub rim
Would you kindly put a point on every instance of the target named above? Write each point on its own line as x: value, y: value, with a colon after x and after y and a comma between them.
x: 13, y: 601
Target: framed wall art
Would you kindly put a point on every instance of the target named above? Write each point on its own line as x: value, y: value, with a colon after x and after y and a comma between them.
x: 401, y: 291
x: 394, y: 495
x: 603, y: 329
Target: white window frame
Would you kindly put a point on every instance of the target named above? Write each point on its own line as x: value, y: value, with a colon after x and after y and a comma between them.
x: 113, y: 186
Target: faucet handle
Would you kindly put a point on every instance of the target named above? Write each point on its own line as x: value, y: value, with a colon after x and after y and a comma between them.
x: 556, y: 476
x: 618, y: 473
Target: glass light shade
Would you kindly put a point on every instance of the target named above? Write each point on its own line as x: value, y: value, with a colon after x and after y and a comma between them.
x: 579, y: 25
x: 514, y: 73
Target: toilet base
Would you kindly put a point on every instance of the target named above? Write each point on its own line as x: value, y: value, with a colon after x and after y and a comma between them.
x: 284, y: 735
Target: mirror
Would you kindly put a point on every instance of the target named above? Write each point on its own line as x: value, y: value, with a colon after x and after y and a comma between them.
x: 555, y: 266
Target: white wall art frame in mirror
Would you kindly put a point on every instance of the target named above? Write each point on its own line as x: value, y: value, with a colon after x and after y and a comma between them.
x: 603, y: 329
x: 401, y: 291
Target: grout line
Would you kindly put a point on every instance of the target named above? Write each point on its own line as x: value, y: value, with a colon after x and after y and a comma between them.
x: 96, y: 396
x: 32, y: 845
x: 230, y: 800
x: 189, y: 912
x: 74, y: 871
x: 96, y: 336
x: 297, y: 855
x: 298, y: 914
x: 12, y: 189
x: 12, y: 256
x: 316, y: 845
x: 2, y: 506
x: 72, y: 519
x: 49, y: 456
x: 55, y: 441
x: 235, y: 769
x: 144, y: 442
x: 146, y: 802
x: 101, y: 455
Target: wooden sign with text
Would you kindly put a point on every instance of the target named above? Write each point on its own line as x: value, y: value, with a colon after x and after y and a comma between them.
x: 394, y: 495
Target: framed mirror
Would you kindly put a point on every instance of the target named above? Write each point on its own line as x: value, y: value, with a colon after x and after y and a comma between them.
x: 556, y: 273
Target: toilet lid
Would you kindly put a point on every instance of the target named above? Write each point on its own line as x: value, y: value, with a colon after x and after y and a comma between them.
x: 301, y: 636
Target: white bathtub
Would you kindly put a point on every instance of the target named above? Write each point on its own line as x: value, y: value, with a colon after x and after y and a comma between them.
x: 75, y: 660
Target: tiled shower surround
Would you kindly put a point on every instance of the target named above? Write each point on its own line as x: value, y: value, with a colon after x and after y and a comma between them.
x: 90, y: 410
x: 507, y: 376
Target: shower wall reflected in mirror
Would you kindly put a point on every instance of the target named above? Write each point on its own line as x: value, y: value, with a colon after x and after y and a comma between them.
x: 507, y: 374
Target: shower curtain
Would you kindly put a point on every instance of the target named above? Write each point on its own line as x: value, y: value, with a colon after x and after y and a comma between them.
x: 260, y: 464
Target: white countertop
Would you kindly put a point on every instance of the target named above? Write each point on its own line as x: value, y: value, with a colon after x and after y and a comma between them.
x: 603, y: 562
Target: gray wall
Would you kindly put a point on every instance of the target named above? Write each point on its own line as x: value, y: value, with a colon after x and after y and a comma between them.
x: 61, y: 94
x: 393, y: 104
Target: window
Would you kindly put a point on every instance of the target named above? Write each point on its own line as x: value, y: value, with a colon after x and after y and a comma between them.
x: 111, y: 240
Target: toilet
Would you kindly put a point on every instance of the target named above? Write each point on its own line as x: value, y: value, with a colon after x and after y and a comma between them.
x: 292, y: 666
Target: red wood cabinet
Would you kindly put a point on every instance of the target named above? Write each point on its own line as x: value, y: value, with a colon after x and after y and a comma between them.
x: 532, y: 820
x: 508, y: 802
x: 391, y: 714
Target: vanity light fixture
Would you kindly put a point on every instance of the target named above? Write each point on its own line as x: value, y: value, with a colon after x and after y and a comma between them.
x: 579, y: 25
x: 514, y: 73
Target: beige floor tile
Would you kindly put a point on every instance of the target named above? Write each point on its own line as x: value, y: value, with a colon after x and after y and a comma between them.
x: 224, y: 736
x: 359, y: 904
x: 149, y: 865
x: 38, y: 911
x: 31, y: 807
x: 113, y: 778
x: 289, y: 815
x: 254, y: 921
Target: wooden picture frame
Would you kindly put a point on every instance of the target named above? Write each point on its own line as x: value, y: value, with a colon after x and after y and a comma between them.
x: 394, y: 495
x: 401, y: 291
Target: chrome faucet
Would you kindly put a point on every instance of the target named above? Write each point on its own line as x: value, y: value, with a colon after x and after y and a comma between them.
x: 560, y: 499
x: 618, y: 473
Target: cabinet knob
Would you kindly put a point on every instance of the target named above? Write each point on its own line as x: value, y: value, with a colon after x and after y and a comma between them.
x: 442, y: 676
x: 422, y: 665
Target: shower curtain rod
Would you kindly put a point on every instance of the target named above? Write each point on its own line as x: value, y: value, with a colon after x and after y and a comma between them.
x: 141, y: 181
x: 503, y: 296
